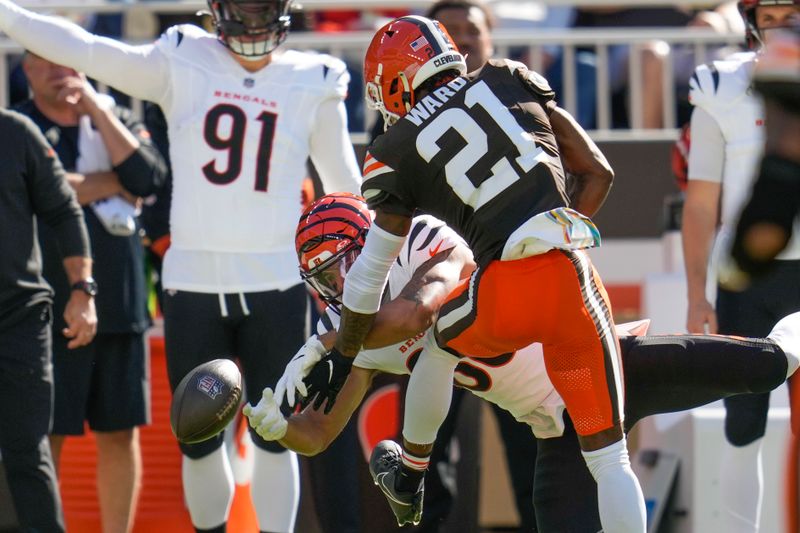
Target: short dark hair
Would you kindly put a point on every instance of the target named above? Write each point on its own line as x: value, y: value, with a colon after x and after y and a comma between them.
x: 466, y: 5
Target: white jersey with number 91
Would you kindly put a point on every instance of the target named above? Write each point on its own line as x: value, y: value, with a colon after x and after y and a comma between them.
x: 239, y: 141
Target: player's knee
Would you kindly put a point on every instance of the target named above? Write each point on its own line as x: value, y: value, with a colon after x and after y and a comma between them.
x: 202, y: 449
x: 745, y: 426
x: 268, y: 446
x: 771, y: 372
x: 745, y: 432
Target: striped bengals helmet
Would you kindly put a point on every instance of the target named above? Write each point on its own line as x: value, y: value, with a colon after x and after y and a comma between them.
x: 329, y: 237
x: 402, y: 55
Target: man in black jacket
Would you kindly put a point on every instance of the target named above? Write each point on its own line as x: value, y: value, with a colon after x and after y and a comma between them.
x: 33, y: 188
x: 111, y: 163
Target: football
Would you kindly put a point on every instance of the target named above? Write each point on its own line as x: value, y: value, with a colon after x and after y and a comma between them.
x: 205, y: 401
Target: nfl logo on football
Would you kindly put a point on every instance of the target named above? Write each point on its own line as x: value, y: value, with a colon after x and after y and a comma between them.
x: 210, y: 386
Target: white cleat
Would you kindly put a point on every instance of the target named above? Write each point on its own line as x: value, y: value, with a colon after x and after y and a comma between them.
x: 786, y: 334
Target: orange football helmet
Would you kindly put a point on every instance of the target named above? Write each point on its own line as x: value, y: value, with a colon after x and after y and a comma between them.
x: 402, y: 55
x: 330, y: 235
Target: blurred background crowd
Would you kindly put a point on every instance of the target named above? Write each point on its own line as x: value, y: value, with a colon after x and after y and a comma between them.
x: 623, y: 70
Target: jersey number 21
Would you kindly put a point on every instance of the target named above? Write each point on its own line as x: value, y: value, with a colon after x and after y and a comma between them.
x: 502, y: 174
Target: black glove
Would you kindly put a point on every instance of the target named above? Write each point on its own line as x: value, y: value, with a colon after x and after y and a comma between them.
x: 326, y: 379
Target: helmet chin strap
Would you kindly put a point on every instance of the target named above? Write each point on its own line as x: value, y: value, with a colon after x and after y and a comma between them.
x: 408, y: 94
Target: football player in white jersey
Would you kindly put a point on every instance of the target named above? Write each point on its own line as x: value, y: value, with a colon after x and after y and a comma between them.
x: 727, y: 135
x: 765, y: 226
x: 662, y: 373
x: 243, y: 120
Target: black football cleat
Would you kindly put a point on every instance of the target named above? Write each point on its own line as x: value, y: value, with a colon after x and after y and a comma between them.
x: 384, y: 465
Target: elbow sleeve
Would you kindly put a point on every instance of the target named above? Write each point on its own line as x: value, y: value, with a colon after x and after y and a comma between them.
x: 363, y: 286
x: 143, y: 172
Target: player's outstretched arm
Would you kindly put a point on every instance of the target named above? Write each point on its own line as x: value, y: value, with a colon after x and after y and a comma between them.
x: 140, y: 71
x: 410, y: 314
x: 331, y: 150
x: 584, y: 161
x: 363, y: 289
x: 416, y: 307
x: 367, y: 278
x: 311, y: 432
x: 300, y: 366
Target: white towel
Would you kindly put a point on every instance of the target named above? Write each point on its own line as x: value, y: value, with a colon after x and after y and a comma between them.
x: 115, y: 213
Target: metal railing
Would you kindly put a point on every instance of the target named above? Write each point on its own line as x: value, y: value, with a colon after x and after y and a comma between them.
x: 531, y: 43
x: 188, y: 6
x: 700, y: 41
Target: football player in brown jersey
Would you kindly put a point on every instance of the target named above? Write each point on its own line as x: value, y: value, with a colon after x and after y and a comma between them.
x: 487, y: 153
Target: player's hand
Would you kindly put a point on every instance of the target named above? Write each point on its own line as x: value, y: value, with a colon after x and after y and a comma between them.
x: 297, y: 369
x: 701, y: 318
x: 266, y: 417
x: 79, y: 94
x: 326, y: 379
x: 81, y: 319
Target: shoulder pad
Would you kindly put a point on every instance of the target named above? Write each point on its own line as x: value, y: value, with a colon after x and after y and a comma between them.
x: 427, y: 237
x: 174, y: 36
x: 423, y: 229
x: 320, y: 71
x: 530, y: 78
x: 335, y: 74
x: 333, y: 67
x: 721, y: 83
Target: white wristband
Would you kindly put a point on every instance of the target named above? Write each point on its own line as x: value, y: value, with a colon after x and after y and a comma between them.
x: 363, y: 286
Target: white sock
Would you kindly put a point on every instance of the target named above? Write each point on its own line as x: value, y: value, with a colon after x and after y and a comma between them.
x: 786, y: 334
x: 275, y: 489
x: 741, y: 483
x: 619, y: 496
x: 430, y: 391
x: 208, y: 488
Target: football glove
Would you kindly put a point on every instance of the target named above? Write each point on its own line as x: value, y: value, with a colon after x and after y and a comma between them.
x: 326, y: 379
x: 297, y: 369
x: 266, y: 417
